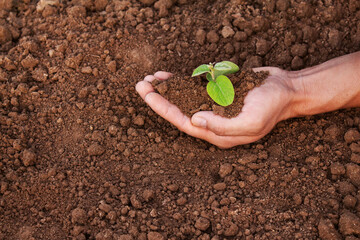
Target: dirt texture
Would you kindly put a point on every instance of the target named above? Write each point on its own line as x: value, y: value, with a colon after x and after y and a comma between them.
x: 83, y: 157
x: 190, y: 95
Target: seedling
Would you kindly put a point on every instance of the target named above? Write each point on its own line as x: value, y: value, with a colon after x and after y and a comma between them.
x: 219, y: 87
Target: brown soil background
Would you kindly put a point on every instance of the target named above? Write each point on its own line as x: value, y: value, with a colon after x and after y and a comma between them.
x: 83, y: 157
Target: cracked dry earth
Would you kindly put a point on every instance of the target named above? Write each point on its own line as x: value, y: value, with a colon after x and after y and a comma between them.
x: 83, y: 157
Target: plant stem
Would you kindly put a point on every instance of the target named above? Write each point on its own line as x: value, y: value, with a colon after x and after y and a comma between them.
x: 212, y: 72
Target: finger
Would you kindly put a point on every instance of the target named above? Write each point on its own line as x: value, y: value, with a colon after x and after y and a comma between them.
x: 144, y: 88
x: 161, y: 75
x: 149, y: 78
x: 172, y: 113
x: 164, y: 108
x: 168, y: 111
x: 231, y: 141
x: 221, y: 126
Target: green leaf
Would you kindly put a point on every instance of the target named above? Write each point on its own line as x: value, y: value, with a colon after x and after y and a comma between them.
x: 221, y: 91
x: 200, y: 70
x: 209, y: 77
x: 225, y: 67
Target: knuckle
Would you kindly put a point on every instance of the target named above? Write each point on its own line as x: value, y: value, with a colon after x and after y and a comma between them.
x: 228, y: 145
x: 222, y: 145
x: 258, y: 125
x: 219, y: 130
x: 225, y: 144
x: 182, y: 125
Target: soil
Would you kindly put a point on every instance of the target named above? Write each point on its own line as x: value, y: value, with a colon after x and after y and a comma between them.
x: 190, y: 95
x: 83, y: 157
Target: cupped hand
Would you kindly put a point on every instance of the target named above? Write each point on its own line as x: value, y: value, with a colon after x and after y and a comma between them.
x: 263, y: 108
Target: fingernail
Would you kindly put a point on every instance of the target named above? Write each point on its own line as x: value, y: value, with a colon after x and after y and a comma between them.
x: 199, y: 122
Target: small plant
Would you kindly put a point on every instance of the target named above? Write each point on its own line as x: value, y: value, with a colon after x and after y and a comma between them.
x: 219, y: 87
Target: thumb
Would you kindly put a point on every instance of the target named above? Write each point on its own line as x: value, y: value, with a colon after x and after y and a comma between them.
x: 219, y: 125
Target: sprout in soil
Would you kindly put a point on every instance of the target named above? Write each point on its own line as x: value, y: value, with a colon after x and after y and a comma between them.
x: 219, y: 87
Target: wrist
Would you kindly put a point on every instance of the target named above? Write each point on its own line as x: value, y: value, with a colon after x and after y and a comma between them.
x: 326, y: 87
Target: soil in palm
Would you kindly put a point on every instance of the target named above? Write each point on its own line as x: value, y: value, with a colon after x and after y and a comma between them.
x: 190, y: 95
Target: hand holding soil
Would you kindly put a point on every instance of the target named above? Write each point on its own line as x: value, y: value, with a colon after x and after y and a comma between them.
x: 264, y: 107
x: 323, y: 88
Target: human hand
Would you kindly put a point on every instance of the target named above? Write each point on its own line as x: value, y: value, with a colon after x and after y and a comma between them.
x: 264, y: 106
